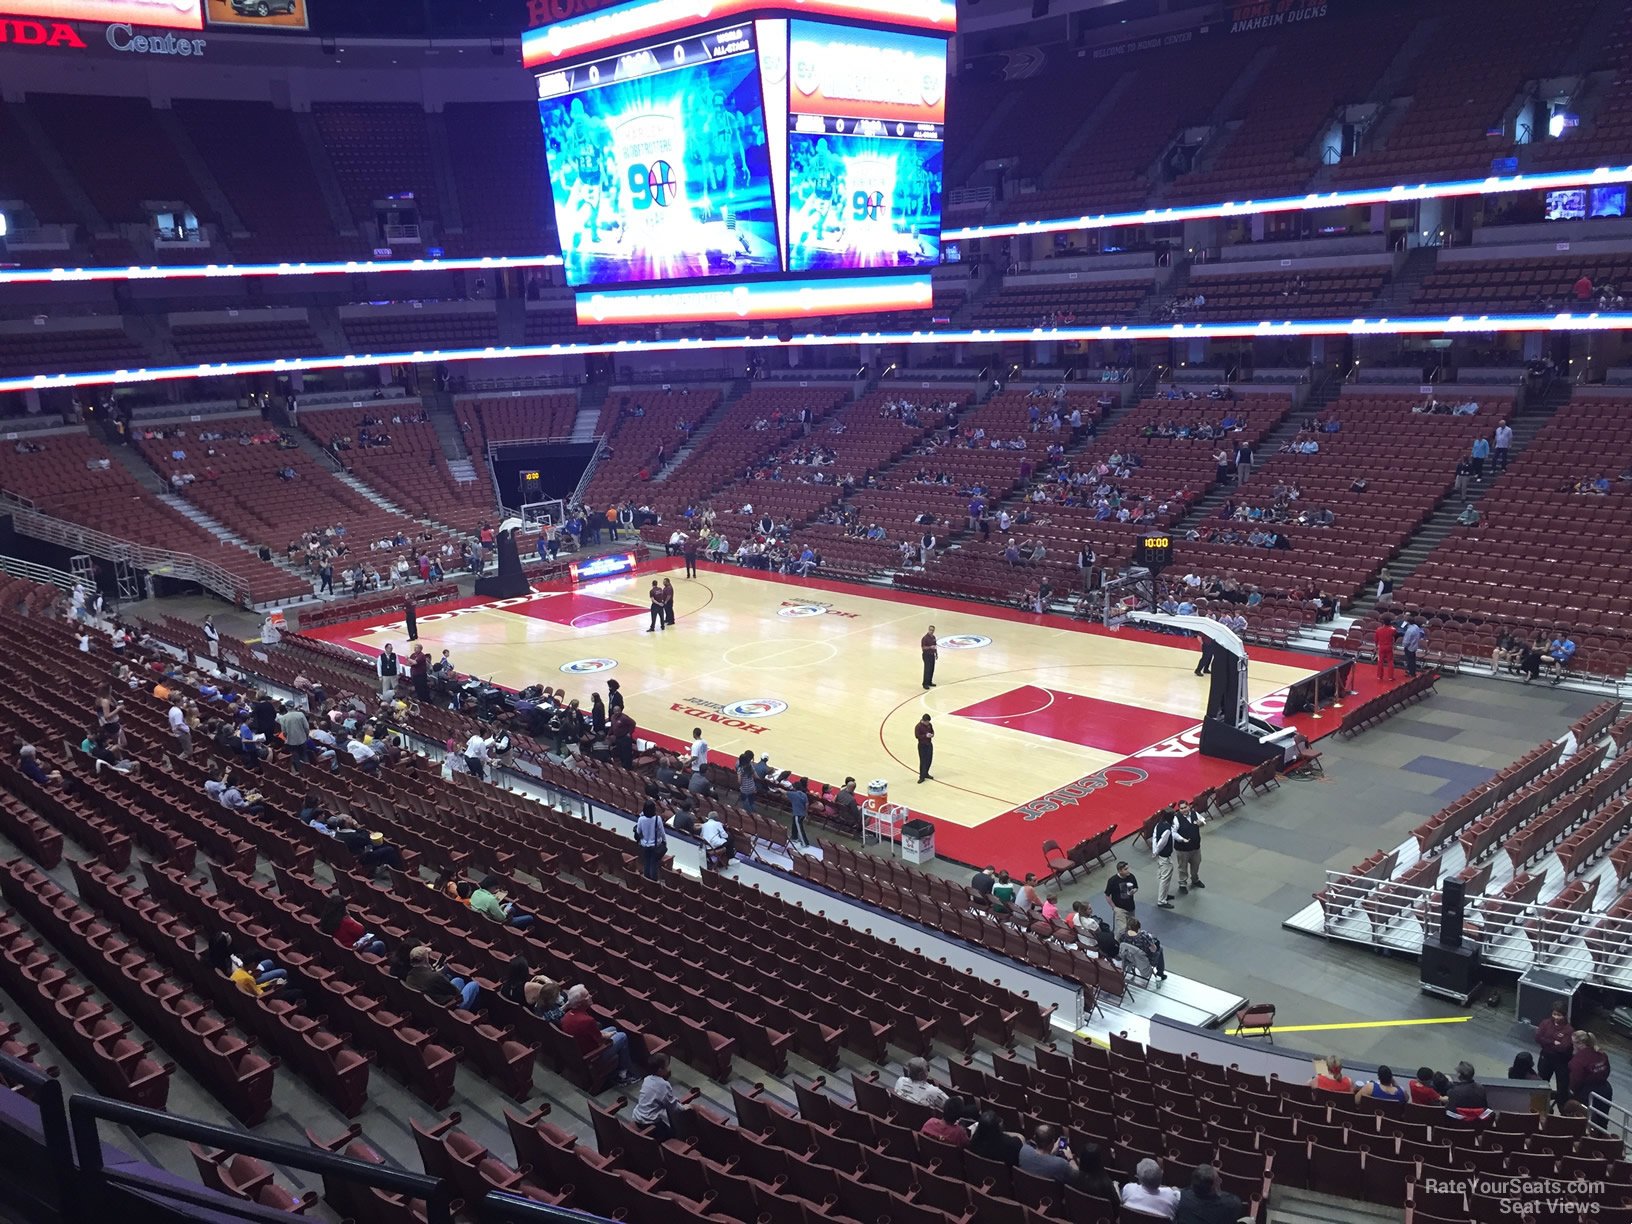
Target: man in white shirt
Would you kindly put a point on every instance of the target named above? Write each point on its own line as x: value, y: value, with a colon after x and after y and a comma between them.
x: 476, y: 756
x: 699, y: 748
x: 1148, y: 1196
x: 915, y: 1085
x: 717, y: 838
x: 658, y: 1107
x: 363, y: 754
x: 179, y: 727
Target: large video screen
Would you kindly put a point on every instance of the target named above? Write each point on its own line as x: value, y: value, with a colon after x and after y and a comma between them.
x: 168, y: 14
x: 659, y: 161
x: 866, y: 126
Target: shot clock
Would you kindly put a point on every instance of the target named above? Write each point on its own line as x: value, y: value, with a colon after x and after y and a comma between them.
x: 1154, y: 552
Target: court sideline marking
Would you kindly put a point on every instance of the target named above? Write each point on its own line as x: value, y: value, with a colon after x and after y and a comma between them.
x: 1367, y: 1024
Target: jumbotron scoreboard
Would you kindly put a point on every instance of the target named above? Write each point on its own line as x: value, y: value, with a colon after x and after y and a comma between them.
x: 745, y: 159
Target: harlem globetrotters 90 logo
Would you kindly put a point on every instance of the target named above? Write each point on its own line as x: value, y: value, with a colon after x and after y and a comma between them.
x: 756, y: 707
x: 585, y: 667
x: 797, y: 608
x: 963, y: 641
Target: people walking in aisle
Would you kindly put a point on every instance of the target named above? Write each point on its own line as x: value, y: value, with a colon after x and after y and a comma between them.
x: 925, y: 734
x: 931, y: 650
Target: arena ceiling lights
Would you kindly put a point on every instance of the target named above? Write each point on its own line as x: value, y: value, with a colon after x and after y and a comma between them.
x: 1266, y: 329
x: 63, y: 276
x: 1399, y: 193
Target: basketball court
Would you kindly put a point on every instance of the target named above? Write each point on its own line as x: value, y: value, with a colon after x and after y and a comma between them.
x: 1046, y: 727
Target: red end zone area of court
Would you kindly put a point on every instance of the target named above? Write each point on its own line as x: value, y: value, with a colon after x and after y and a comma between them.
x: 1157, y: 753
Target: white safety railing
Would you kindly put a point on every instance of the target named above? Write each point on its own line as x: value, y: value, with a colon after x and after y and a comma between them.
x: 160, y: 562
x: 16, y: 567
x: 1516, y: 934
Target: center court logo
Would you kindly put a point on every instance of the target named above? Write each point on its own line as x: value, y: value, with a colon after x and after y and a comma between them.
x: 756, y: 707
x: 963, y: 641
x: 798, y: 608
x: 584, y: 667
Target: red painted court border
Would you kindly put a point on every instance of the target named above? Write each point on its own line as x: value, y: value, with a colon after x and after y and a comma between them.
x: 1170, y: 765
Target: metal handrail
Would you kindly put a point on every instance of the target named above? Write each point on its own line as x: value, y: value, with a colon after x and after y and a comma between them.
x: 45, y: 1091
x: 18, y: 568
x: 162, y: 561
x: 84, y: 1112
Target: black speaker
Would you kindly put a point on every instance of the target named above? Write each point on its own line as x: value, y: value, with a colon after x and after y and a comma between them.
x: 1452, y: 971
x: 784, y: 331
x: 1452, y: 900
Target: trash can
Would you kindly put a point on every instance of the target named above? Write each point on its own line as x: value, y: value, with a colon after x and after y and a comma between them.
x: 917, y: 841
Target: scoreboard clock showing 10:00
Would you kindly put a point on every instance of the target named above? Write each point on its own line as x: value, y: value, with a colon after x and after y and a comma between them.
x: 1155, y: 552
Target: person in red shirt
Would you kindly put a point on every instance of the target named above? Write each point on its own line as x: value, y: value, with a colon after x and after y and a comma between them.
x: 949, y: 1128
x: 1329, y: 1076
x: 1422, y: 1088
x: 925, y: 734
x: 1384, y: 636
x: 1583, y: 288
x: 1589, y: 1070
x: 605, y: 1045
x: 930, y: 651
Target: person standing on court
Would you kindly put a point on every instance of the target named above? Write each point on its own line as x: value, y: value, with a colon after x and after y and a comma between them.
x: 386, y: 668
x: 1411, y: 642
x: 931, y: 650
x: 1383, y: 636
x: 690, y: 551
x: 411, y: 615
x: 659, y: 616
x: 1161, y: 842
x: 1187, y: 824
x: 925, y: 733
x: 668, y: 602
x: 1120, y: 890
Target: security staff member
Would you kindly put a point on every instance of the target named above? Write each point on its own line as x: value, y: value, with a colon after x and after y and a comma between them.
x: 412, y: 614
x: 930, y: 650
x: 925, y: 731
x: 660, y: 618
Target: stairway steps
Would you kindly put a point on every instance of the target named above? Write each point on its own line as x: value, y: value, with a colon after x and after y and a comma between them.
x: 1290, y: 1205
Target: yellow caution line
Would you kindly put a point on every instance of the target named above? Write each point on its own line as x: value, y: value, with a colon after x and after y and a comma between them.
x: 1365, y: 1024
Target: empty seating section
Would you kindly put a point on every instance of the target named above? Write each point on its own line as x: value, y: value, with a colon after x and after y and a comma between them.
x: 255, y: 152
x: 50, y: 351
x: 522, y: 416
x: 552, y: 324
x: 378, y: 149
x: 408, y: 466
x: 1408, y: 461
x: 1607, y: 132
x: 1047, y: 110
x: 1462, y: 84
x: 748, y: 431
x: 1173, y: 472
x: 68, y: 480
x: 1272, y: 152
x: 644, y: 427
x: 499, y: 172
x: 24, y: 177
x: 1316, y: 293
x: 1110, y: 171
x: 397, y: 332
x: 1024, y: 303
x: 1544, y: 557
x: 1517, y: 286
x: 246, y: 339
x: 239, y: 485
x: 118, y: 153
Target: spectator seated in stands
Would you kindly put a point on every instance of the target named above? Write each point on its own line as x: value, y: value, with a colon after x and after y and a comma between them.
x: 992, y: 1141
x: 1048, y: 1155
x: 1469, y: 517
x: 1467, y: 1097
x: 492, y: 901
x: 1422, y: 1088
x: 1531, y: 660
x: 1560, y: 653
x: 1146, y: 1195
x: 717, y: 841
x: 107, y: 754
x: 1329, y: 1076
x: 1383, y: 1088
x: 266, y: 975
x: 425, y: 973
x: 951, y: 1125
x: 336, y: 922
x: 34, y: 769
x: 1508, y: 652
x: 1141, y: 952
x: 609, y: 1045
x: 1204, y: 1201
x: 916, y: 1086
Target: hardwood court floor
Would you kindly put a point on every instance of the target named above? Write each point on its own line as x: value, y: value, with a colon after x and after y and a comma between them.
x: 1059, y: 724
